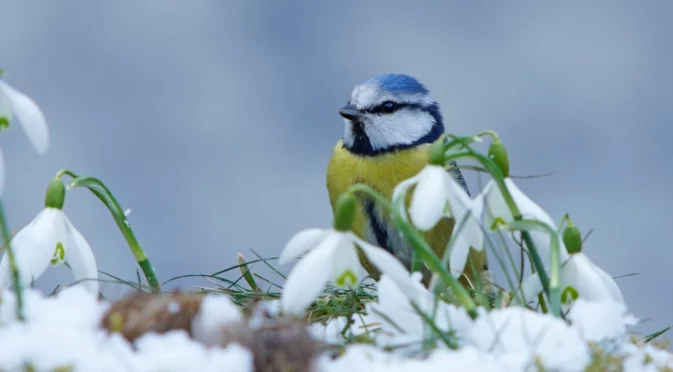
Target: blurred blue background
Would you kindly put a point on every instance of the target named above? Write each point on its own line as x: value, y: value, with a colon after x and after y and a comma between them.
x: 214, y: 120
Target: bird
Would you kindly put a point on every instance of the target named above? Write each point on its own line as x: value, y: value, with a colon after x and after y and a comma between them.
x: 390, y: 122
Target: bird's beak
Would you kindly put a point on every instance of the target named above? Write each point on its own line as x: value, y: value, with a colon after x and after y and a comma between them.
x: 350, y: 112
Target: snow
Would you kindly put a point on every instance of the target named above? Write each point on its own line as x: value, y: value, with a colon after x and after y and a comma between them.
x: 526, y: 336
x: 601, y: 320
x: 63, y: 331
x: 216, y: 312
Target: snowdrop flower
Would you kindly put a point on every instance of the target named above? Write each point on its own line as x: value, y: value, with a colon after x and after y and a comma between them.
x: 589, y: 280
x: 16, y: 106
x: 332, y: 255
x: 437, y: 195
x: 49, y: 238
x: 492, y: 201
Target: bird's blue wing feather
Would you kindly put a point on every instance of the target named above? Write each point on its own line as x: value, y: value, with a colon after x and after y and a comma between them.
x: 458, y: 176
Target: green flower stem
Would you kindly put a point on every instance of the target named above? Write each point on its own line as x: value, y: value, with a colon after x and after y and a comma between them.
x: 554, y: 291
x: 359, y: 187
x: 492, y: 134
x: 95, y: 186
x: 434, y: 263
x: 495, y: 172
x: 555, y: 278
x: 13, y: 267
x: 421, y: 248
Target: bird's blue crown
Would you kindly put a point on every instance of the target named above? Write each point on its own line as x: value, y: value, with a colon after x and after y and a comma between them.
x: 398, y: 83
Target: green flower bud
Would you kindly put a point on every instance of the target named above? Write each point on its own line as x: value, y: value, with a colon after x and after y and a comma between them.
x: 55, y: 194
x: 437, y: 152
x: 345, y: 212
x: 498, y: 153
x: 572, y: 238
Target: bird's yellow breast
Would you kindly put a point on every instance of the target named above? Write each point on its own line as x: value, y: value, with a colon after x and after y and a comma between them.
x: 382, y: 173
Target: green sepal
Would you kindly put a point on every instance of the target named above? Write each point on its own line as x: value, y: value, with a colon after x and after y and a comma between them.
x: 344, y: 214
x: 572, y: 238
x: 437, y: 152
x: 55, y: 196
x: 498, y: 153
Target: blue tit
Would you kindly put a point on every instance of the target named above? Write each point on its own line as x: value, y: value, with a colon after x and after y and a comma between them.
x: 390, y: 123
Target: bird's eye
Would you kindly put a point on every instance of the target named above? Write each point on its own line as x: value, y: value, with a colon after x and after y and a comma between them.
x: 388, y: 107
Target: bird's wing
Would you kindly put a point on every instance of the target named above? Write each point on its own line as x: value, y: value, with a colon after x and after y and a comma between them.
x: 458, y: 176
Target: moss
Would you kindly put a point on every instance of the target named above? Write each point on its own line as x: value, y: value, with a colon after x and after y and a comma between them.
x: 604, y: 362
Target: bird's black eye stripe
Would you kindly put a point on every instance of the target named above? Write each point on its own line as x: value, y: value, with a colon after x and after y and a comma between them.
x: 385, y: 107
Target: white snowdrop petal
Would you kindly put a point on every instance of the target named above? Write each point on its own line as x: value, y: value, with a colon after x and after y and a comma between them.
x: 460, y: 200
x: 34, y: 246
x: 459, y: 253
x: 402, y: 188
x: 387, y: 264
x: 301, y: 243
x: 494, y: 205
x: 610, y: 285
x: 2, y: 173
x: 528, y: 207
x: 346, y: 260
x: 429, y: 197
x: 81, y: 258
x: 530, y: 287
x: 307, y: 279
x: 5, y: 104
x: 473, y: 230
x: 30, y: 116
x: 580, y: 273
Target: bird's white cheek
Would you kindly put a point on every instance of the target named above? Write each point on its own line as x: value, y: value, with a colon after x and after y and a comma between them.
x: 400, y: 128
x: 348, y: 133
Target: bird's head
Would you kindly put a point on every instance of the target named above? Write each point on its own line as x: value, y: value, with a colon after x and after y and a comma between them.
x: 390, y: 112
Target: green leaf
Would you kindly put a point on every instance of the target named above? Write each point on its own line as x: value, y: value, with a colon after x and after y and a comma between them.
x: 101, y: 191
x: 656, y: 334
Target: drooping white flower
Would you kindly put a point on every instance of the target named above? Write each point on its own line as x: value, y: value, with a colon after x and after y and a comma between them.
x: 49, y: 238
x: 437, y: 195
x: 589, y: 280
x: 495, y: 207
x: 332, y: 256
x: 18, y: 107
